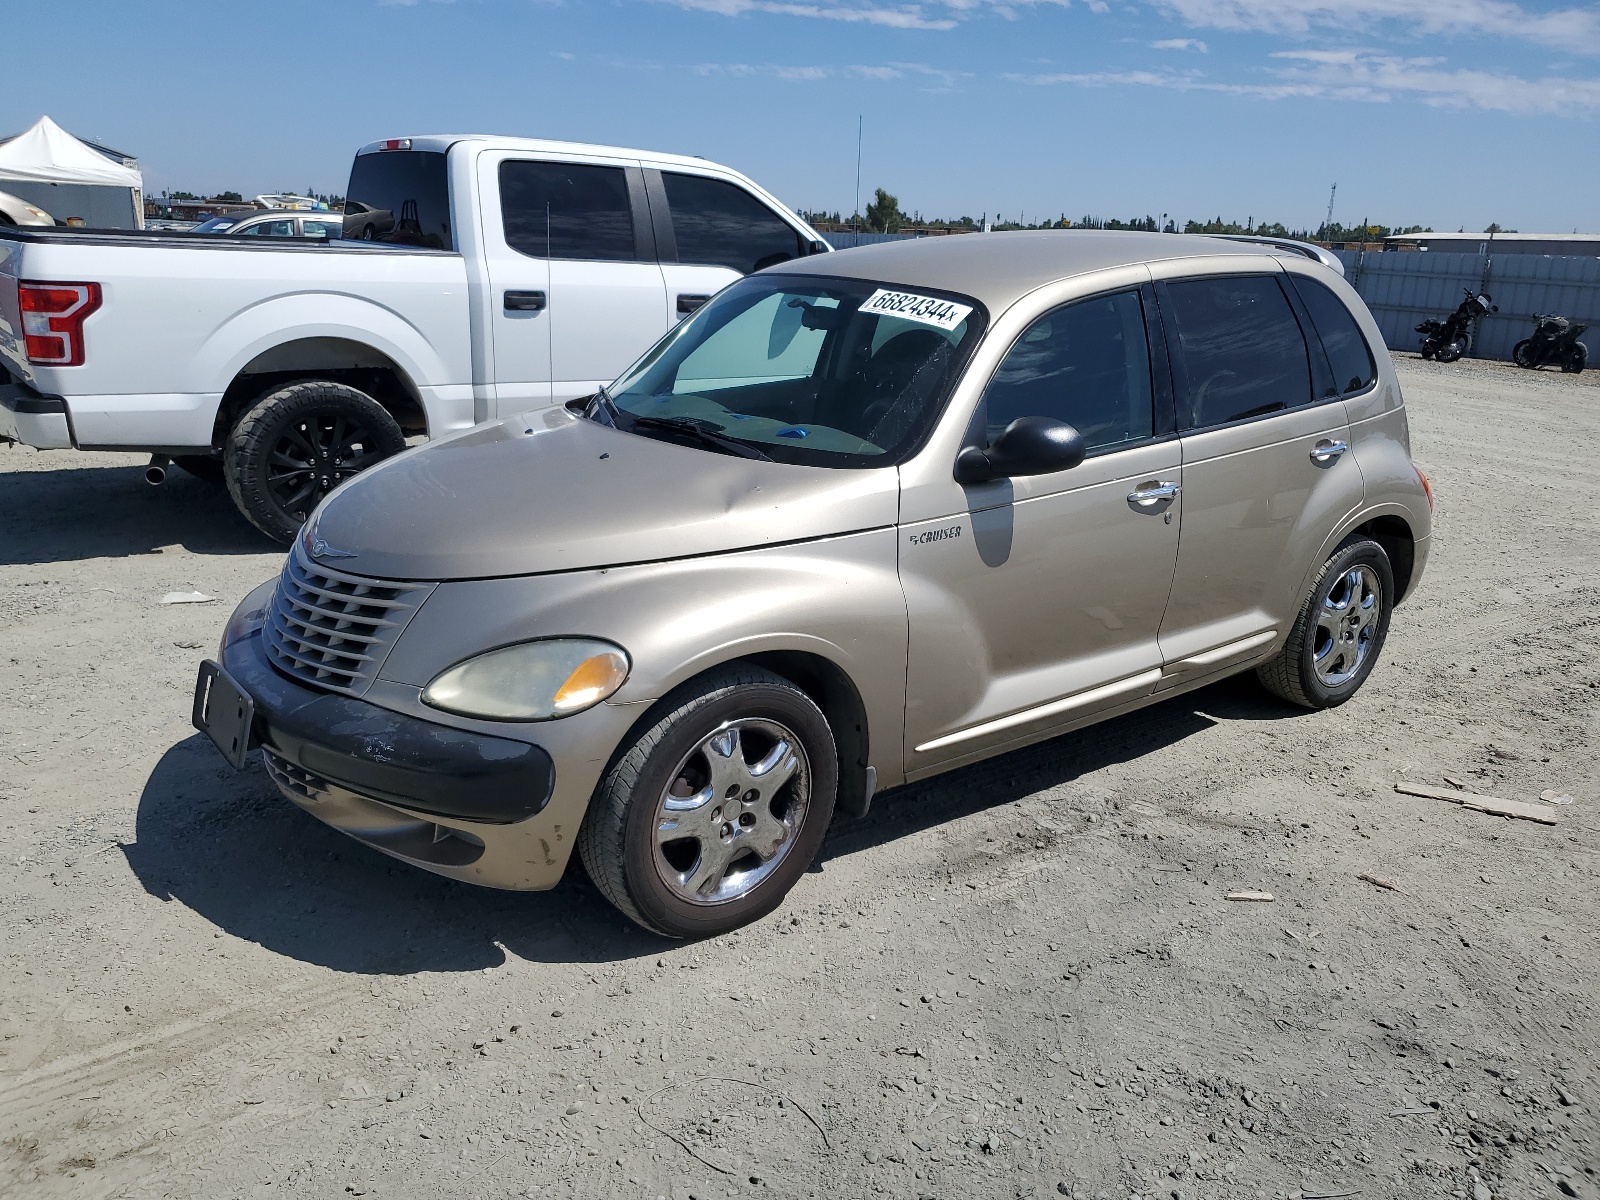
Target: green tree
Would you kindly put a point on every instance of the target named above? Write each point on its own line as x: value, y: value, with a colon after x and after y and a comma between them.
x: 228, y: 198
x: 883, y: 214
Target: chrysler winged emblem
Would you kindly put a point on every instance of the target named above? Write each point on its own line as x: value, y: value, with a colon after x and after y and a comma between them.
x: 321, y: 549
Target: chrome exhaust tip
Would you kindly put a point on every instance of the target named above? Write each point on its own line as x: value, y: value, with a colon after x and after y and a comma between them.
x: 156, y: 473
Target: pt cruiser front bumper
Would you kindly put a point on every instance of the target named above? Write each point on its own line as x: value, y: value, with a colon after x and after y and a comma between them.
x: 461, y: 803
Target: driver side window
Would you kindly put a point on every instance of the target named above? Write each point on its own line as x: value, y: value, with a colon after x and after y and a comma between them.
x: 1086, y: 363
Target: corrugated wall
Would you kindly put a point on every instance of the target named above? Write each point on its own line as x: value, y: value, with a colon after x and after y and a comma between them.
x: 1403, y: 288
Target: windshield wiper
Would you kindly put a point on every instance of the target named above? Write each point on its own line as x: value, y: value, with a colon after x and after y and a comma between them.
x: 606, y: 405
x: 700, y: 431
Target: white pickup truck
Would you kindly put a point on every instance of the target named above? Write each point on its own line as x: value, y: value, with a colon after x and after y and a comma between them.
x: 478, y: 276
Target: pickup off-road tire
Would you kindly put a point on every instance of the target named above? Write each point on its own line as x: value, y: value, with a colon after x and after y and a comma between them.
x: 295, y: 445
x: 202, y: 466
x: 713, y: 813
x: 1339, y: 632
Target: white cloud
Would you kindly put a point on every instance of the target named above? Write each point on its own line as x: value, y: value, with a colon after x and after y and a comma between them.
x: 885, y: 72
x: 1363, y: 76
x: 1572, y: 29
x: 935, y: 14
x: 1179, y: 44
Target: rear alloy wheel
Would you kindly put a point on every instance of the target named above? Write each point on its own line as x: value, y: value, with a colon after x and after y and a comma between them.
x: 1339, y: 632
x: 297, y: 444
x: 714, y: 813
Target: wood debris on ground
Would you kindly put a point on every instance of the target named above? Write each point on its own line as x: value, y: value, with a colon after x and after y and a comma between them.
x: 1379, y: 881
x: 1486, y: 804
x: 1250, y: 895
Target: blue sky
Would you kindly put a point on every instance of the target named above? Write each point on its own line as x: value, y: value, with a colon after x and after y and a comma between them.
x: 1444, y: 112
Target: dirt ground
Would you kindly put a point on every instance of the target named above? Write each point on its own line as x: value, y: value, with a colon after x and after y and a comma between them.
x: 1022, y: 979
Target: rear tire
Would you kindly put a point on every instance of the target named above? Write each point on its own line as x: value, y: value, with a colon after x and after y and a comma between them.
x: 295, y: 445
x: 1576, y: 359
x: 685, y: 834
x: 1339, y: 632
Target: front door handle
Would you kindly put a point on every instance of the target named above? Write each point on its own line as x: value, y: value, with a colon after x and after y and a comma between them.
x: 1151, y: 494
x: 1326, y: 451
x: 688, y: 302
x: 525, y: 301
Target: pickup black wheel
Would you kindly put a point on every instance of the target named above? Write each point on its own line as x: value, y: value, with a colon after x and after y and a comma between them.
x: 1339, y: 632
x: 713, y: 813
x: 295, y: 445
x: 202, y: 466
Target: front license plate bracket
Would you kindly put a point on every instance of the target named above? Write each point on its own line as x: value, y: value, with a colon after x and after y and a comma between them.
x: 224, y: 712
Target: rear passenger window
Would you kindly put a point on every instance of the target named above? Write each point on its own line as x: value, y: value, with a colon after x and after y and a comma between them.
x: 1348, y: 352
x: 566, y: 210
x: 723, y: 225
x: 1086, y: 364
x: 1240, y: 349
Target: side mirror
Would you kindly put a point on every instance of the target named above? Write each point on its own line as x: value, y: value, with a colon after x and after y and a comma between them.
x: 1027, y: 446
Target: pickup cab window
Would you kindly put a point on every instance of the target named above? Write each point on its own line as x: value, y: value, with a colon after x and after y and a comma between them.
x: 718, y: 224
x: 399, y: 196
x: 566, y: 210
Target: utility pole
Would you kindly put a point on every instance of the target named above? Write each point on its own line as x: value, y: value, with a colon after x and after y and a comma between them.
x: 860, y: 121
x: 1327, y: 223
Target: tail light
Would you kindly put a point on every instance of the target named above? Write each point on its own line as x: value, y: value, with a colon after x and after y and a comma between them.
x: 52, y: 320
x: 395, y: 144
x: 1427, y: 487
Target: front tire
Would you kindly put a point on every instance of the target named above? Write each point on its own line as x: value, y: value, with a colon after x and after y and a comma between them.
x: 1339, y: 632
x: 712, y: 814
x: 1450, y: 351
x: 1522, y: 353
x: 297, y: 444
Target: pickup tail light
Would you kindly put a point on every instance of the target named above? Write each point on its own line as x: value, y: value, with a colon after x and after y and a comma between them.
x: 395, y: 144
x: 52, y: 320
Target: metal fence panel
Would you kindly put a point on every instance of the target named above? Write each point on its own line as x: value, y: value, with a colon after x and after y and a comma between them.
x: 1403, y: 288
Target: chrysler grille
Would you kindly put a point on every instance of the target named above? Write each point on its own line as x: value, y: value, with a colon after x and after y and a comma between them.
x: 333, y: 630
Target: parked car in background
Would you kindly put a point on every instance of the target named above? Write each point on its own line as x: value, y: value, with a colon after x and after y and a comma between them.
x: 276, y: 223
x: 513, y: 275
x: 14, y: 210
x: 861, y: 520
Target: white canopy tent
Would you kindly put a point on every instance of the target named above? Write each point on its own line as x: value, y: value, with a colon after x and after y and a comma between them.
x: 71, y: 179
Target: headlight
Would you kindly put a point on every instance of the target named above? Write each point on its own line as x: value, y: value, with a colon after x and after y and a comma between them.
x: 533, y: 681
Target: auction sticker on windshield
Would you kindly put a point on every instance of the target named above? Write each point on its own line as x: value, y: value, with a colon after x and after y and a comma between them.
x: 944, y: 314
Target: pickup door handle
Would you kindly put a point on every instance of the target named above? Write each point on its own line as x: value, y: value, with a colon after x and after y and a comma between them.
x: 525, y: 301
x: 1325, y: 451
x: 1153, y: 493
x: 687, y: 302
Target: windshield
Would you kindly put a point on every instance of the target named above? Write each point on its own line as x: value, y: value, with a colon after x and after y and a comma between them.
x: 804, y: 369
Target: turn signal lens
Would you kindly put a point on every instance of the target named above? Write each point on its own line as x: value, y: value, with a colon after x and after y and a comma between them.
x: 532, y: 681
x: 1427, y: 488
x: 52, y: 320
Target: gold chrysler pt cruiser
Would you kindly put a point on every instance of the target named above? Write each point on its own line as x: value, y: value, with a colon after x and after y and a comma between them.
x: 862, y: 518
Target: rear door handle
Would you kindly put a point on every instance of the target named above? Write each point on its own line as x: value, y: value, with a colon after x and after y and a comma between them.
x: 688, y: 302
x: 1326, y: 451
x: 1152, y: 494
x: 525, y: 301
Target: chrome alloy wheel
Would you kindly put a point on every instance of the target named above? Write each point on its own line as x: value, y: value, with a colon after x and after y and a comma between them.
x: 1346, y: 624
x: 732, y: 811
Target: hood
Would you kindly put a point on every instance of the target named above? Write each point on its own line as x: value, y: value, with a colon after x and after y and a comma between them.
x: 552, y: 491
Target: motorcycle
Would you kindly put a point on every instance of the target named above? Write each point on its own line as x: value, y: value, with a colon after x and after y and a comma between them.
x: 1448, y: 340
x: 1554, y: 340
